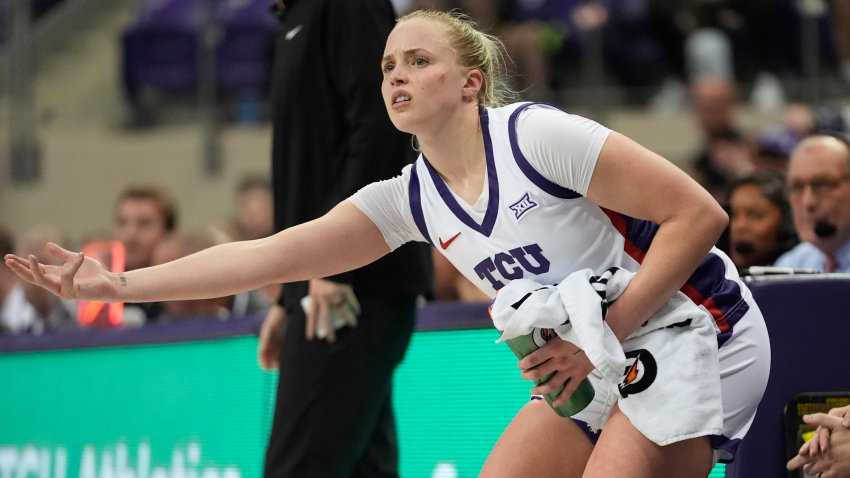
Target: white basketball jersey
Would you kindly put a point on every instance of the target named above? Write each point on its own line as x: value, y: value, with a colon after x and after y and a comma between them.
x: 534, y: 228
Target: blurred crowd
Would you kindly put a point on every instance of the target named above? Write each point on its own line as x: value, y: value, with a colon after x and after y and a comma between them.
x: 145, y: 231
x: 785, y: 183
x: 655, y: 48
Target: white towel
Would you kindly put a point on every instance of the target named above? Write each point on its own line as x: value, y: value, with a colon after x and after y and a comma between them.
x: 665, y: 376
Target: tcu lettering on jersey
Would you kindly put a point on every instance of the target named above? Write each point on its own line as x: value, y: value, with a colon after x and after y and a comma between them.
x: 513, y: 265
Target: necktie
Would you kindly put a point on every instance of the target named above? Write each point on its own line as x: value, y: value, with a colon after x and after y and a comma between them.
x: 830, y: 264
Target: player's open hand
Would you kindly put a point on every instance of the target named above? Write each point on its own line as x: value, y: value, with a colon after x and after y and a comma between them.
x: 78, y: 277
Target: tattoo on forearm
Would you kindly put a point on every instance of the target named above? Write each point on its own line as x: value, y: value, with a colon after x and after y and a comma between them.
x: 123, y: 280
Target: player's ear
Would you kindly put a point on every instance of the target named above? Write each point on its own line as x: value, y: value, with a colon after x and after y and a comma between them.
x: 473, y: 84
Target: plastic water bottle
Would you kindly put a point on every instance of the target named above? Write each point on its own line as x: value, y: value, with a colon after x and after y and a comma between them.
x: 581, y: 398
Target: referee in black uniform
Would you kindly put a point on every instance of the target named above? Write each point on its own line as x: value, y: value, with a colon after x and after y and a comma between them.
x: 332, y: 136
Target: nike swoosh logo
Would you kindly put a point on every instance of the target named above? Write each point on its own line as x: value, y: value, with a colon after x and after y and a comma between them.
x: 445, y: 245
x: 291, y: 33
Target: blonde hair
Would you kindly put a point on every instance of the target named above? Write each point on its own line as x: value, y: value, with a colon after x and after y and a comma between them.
x: 477, y: 50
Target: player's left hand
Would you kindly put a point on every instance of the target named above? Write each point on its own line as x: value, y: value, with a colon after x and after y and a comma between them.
x: 565, y: 360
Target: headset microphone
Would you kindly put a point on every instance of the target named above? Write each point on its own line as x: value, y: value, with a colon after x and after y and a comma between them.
x: 744, y: 248
x: 825, y: 229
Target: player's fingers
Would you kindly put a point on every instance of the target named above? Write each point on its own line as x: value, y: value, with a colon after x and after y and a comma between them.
x: 59, y: 252
x: 535, y: 358
x: 17, y: 259
x: 551, y: 384
x: 569, y: 389
x: 20, y: 267
x: 540, y: 371
x: 39, y: 276
x: 69, y: 271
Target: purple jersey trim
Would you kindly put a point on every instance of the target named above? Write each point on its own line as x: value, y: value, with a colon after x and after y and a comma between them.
x: 725, y: 446
x: 486, y: 226
x: 416, y: 204
x: 707, y: 286
x: 532, y: 174
x: 722, y: 298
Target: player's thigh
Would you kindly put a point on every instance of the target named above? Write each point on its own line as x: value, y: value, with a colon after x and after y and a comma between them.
x: 539, y: 443
x: 622, y: 451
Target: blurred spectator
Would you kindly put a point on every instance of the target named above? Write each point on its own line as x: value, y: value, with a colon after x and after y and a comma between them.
x: 175, y: 246
x: 819, y: 193
x: 560, y: 43
x: 774, y: 143
x: 773, y: 148
x: 799, y: 118
x: 555, y: 44
x: 760, y: 224
x: 254, y: 209
x: 450, y: 285
x: 254, y: 219
x: 725, y: 154
x: 834, y: 118
x: 49, y: 312
x: 531, y: 55
x: 726, y: 38
x: 144, y: 215
x: 253, y: 212
x: 811, y: 40
x: 15, y: 311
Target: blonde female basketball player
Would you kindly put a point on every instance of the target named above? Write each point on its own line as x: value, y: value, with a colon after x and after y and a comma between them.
x: 504, y: 191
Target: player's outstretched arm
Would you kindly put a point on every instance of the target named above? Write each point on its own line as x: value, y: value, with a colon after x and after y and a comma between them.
x: 341, y: 240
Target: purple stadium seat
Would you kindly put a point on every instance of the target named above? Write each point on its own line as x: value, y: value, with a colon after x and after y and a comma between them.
x: 243, y: 58
x: 161, y: 45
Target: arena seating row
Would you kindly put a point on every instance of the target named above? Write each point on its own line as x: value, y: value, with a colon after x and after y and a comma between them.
x: 161, y: 45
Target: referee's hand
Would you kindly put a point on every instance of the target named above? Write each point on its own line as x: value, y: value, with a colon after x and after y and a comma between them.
x: 271, y: 338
